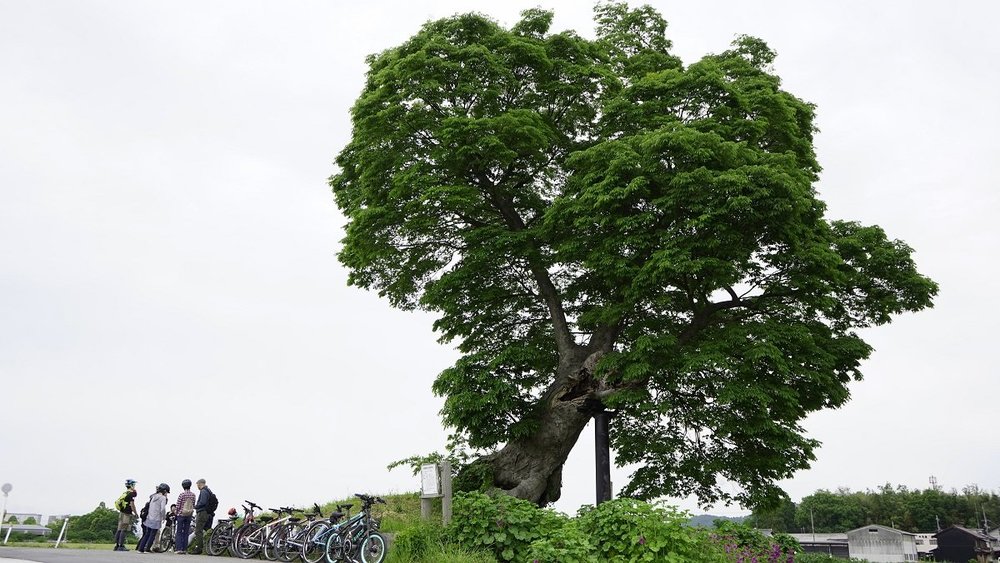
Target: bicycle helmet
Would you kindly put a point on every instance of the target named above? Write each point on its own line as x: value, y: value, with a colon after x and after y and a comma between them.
x: 186, y: 483
x: 232, y: 511
x: 129, y: 483
x: 163, y: 488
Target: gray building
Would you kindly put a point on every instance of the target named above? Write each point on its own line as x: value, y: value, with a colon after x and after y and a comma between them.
x: 32, y: 529
x: 926, y: 543
x: 23, y: 516
x: 882, y: 544
x: 834, y: 545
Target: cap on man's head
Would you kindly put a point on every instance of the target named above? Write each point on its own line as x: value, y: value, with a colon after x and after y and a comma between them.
x: 200, y: 482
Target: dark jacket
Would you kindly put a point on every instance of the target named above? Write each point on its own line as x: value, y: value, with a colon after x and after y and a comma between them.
x: 201, y: 505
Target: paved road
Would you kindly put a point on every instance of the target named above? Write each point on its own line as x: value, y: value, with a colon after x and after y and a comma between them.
x: 62, y: 555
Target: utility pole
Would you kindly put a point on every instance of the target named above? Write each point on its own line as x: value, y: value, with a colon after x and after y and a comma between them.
x: 812, y: 522
x: 602, y: 455
x: 6, y: 488
x: 602, y: 446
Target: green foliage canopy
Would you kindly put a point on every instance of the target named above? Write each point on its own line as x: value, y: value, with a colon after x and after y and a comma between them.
x: 897, y: 506
x: 98, y: 525
x: 544, y: 193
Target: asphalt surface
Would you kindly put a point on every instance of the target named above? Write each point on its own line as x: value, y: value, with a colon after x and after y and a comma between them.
x: 63, y: 555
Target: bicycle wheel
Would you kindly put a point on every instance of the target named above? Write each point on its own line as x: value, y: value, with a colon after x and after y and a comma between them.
x: 372, y: 549
x: 166, y: 540
x: 314, y: 542
x: 278, y: 535
x: 248, y: 541
x: 289, y: 547
x: 219, y: 538
x: 337, y: 547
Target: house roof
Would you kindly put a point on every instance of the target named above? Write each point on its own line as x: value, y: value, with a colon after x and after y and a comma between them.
x: 820, y: 538
x: 886, y: 528
x: 27, y: 528
x: 978, y: 534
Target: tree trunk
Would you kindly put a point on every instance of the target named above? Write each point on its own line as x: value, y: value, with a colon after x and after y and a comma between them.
x: 530, y: 468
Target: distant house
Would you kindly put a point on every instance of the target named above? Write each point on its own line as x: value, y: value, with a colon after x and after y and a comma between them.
x: 882, y: 544
x: 829, y: 544
x: 960, y: 545
x: 926, y: 543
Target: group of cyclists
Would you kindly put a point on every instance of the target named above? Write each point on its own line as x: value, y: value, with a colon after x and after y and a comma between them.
x: 156, y: 518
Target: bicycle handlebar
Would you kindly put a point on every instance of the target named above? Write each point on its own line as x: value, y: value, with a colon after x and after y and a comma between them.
x: 369, y: 500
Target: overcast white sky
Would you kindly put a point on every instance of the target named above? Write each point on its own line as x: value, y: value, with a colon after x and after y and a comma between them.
x: 171, y: 305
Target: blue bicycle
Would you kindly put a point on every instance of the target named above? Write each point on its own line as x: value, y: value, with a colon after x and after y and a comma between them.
x: 356, y: 539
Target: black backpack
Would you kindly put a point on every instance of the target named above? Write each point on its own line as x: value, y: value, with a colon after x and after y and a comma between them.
x: 145, y: 511
x: 213, y: 502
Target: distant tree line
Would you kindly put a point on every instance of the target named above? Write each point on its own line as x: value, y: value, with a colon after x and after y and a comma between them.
x: 898, y: 507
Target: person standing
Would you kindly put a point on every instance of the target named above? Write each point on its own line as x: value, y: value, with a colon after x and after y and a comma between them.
x: 154, y: 518
x: 204, y: 513
x: 126, y: 512
x: 184, y: 514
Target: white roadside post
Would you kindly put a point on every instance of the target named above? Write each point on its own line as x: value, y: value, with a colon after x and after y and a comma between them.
x: 62, y: 531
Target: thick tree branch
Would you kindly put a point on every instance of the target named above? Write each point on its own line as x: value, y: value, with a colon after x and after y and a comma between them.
x: 550, y: 295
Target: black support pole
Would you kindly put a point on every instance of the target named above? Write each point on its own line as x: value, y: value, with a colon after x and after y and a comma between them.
x: 602, y: 456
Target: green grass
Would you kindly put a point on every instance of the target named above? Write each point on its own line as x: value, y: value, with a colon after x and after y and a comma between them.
x: 443, y: 554
x: 400, y: 511
x: 65, y: 544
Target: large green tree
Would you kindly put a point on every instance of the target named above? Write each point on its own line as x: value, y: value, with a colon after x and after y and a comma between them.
x: 598, y: 225
x: 96, y: 526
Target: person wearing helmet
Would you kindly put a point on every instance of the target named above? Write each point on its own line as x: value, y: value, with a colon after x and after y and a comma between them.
x: 154, y: 517
x: 126, y: 513
x: 184, y: 513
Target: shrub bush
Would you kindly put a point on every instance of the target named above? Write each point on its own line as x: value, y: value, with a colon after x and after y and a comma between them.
x: 631, y: 530
x: 566, y: 545
x: 742, y: 542
x: 501, y: 524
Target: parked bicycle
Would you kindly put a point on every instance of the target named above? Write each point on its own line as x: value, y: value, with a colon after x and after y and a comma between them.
x: 286, y: 540
x: 255, y: 538
x: 220, y: 538
x: 357, y: 539
x: 165, y: 542
x: 313, y: 540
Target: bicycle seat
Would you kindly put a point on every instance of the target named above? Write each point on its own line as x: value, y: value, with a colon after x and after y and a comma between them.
x: 294, y: 520
x: 335, y: 517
